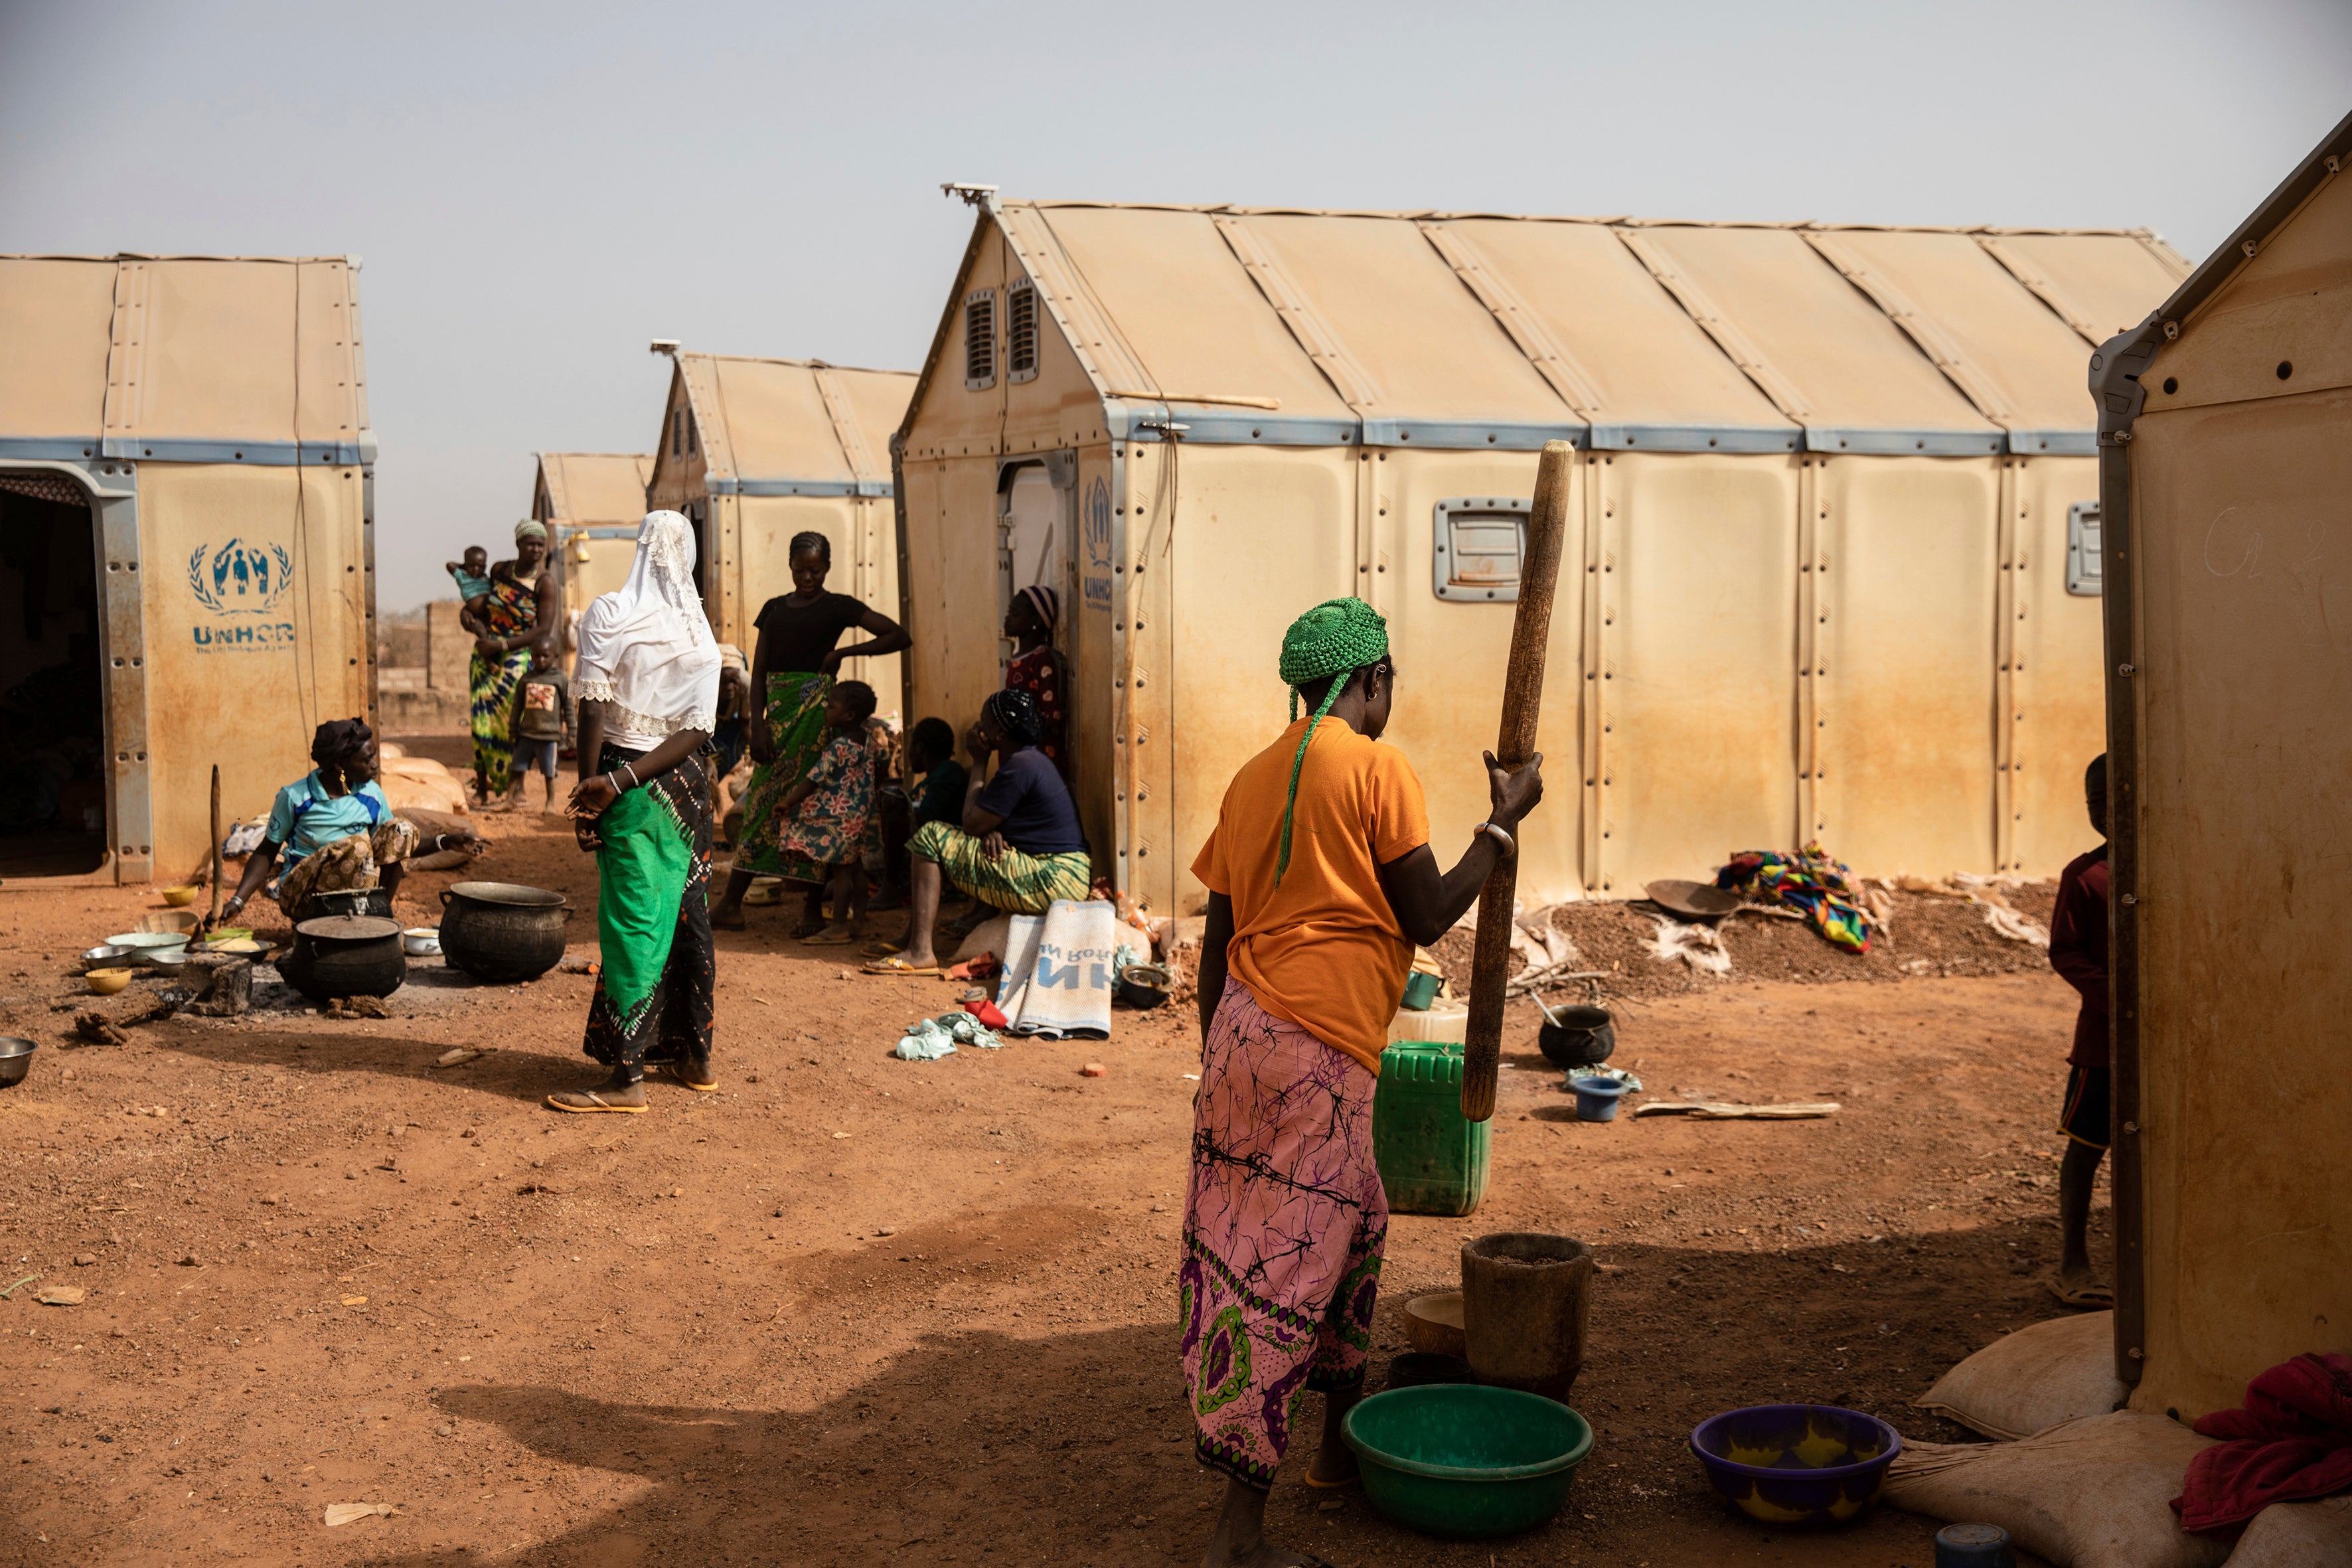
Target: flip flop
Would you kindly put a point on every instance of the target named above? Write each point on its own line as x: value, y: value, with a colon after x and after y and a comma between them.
x: 827, y: 939
x: 2083, y: 1295
x: 595, y: 1103
x: 1331, y: 1486
x: 677, y: 1069
x: 897, y: 965
x: 883, y: 949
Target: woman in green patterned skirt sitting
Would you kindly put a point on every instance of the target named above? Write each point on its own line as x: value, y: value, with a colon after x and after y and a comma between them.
x: 793, y: 667
x: 647, y: 683
x: 1020, y: 847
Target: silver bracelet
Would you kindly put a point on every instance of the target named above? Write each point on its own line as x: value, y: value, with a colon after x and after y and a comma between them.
x: 631, y: 769
x: 1492, y: 830
x: 615, y: 784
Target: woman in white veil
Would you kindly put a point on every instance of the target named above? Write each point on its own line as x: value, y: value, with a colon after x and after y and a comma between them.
x: 647, y: 685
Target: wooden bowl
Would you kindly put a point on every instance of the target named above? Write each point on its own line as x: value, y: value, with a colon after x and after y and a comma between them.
x: 180, y: 898
x: 107, y: 981
x: 1433, y: 1323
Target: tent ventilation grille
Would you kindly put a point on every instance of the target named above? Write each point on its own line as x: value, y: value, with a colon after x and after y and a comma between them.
x: 979, y: 339
x: 1021, y: 332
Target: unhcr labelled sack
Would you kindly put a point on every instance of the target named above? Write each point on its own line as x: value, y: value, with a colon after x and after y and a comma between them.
x: 2297, y: 1535
x: 2031, y: 1381
x: 2092, y: 1493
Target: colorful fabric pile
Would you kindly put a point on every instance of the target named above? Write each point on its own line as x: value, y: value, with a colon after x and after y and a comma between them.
x: 1808, y: 881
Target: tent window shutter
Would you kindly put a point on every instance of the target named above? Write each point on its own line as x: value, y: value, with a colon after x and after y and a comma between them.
x: 677, y: 432
x: 979, y: 339
x: 1476, y: 547
x: 692, y: 450
x: 2085, y: 562
x: 1021, y: 332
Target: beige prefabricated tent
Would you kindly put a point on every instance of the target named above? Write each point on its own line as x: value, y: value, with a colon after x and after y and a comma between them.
x: 592, y: 503
x: 756, y: 450
x: 1819, y: 522
x: 2225, y: 482
x: 186, y: 474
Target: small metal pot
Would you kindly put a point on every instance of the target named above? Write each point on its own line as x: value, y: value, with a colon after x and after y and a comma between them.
x: 345, y: 955
x: 1144, y: 987
x: 1577, y: 1036
x: 16, y: 1059
x: 502, y: 933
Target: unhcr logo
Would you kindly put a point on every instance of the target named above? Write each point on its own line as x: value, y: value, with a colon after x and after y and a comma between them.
x: 1095, y: 526
x: 240, y: 584
x: 239, y: 579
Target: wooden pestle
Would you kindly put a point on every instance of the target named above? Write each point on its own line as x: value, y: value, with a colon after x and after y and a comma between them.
x: 1522, y: 702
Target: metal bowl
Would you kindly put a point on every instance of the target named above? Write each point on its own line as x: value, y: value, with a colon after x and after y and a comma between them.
x: 420, y: 941
x: 150, y: 939
x: 108, y: 956
x: 16, y: 1059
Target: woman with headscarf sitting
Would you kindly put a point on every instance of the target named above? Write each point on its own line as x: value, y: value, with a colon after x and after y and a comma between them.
x: 510, y: 622
x: 334, y: 831
x: 1020, y: 847
x: 648, y: 684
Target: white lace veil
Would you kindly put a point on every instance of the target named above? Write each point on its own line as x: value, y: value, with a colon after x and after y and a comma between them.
x: 646, y: 648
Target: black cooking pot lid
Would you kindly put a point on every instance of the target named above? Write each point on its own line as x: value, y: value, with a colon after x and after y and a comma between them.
x: 506, y: 893
x: 349, y: 928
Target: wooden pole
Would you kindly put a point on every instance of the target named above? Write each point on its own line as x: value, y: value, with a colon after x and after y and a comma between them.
x: 1522, y: 702
x: 213, y: 919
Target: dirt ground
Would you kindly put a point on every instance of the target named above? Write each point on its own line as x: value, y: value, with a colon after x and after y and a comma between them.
x: 851, y: 1309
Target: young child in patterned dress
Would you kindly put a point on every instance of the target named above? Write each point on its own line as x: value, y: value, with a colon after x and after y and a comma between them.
x: 824, y: 815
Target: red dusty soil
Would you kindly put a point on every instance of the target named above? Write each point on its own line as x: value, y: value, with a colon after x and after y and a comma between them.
x: 850, y: 1309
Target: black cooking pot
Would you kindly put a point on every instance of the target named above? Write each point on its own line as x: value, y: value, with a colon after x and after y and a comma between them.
x: 372, y: 901
x: 501, y: 931
x: 1582, y: 1036
x: 345, y: 955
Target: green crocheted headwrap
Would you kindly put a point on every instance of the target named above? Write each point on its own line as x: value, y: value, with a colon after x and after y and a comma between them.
x: 1333, y: 637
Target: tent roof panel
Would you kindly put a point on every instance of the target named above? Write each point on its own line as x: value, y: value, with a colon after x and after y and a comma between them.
x: 1426, y: 347
x: 54, y: 314
x: 1848, y: 366
x: 2106, y: 282
x: 2015, y: 358
x: 195, y: 352
x: 775, y: 421
x: 1643, y: 359
x: 876, y: 401
x: 597, y: 489
x: 1188, y: 310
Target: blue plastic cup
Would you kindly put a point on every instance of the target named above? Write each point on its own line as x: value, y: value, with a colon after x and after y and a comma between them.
x: 1973, y: 1546
x: 1596, y: 1097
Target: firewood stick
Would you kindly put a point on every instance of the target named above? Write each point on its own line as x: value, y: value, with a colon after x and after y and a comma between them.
x: 1522, y: 702
x: 212, y: 919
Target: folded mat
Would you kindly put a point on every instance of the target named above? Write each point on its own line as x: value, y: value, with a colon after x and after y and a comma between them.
x: 1057, y: 970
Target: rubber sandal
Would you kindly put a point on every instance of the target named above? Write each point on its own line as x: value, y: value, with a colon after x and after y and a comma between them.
x: 899, y: 965
x: 883, y: 949
x: 597, y: 1103
x: 678, y: 1069
x: 2083, y: 1295
x: 826, y: 938
x: 1331, y: 1486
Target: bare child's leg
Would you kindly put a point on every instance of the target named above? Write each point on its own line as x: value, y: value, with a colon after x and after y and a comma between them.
x: 727, y: 914
x: 2078, y: 1172
x: 842, y: 927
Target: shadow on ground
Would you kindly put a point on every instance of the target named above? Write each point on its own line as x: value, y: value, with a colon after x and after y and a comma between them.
x: 979, y: 1449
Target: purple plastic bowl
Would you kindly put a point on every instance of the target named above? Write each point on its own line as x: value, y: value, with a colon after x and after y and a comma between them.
x: 1797, y: 1464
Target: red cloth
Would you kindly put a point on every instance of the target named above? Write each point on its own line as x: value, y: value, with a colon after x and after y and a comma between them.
x: 2078, y: 951
x: 2291, y: 1440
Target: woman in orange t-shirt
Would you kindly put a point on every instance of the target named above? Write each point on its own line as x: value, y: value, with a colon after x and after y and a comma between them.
x: 1320, y: 882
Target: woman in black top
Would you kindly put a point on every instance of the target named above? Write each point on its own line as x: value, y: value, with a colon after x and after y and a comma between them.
x: 793, y: 667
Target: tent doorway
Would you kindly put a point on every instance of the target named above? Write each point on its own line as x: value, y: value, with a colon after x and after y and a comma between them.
x: 53, y: 806
x: 1031, y: 548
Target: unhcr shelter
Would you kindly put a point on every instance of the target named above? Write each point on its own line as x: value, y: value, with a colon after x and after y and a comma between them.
x: 1818, y: 528
x: 2225, y: 483
x: 186, y: 547
x: 592, y: 503
x: 755, y: 451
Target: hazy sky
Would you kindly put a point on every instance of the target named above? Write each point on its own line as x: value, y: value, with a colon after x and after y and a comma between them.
x: 538, y: 189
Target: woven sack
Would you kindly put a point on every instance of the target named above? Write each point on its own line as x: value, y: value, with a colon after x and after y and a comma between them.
x: 2090, y: 1493
x: 2297, y: 1535
x: 2031, y: 1381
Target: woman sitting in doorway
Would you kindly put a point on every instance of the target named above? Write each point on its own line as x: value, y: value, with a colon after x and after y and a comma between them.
x: 1037, y: 668
x: 793, y: 667
x: 332, y: 830
x: 1020, y: 847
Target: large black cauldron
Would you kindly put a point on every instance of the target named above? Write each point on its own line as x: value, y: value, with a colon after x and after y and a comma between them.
x: 345, y: 955
x: 501, y: 931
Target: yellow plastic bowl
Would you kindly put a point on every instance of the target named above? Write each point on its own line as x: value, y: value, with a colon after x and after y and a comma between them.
x: 180, y: 898
x: 107, y: 981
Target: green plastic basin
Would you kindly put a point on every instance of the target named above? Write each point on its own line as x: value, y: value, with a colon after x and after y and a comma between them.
x: 1462, y: 1459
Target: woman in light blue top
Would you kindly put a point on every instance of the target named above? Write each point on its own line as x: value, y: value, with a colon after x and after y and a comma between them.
x: 331, y: 831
